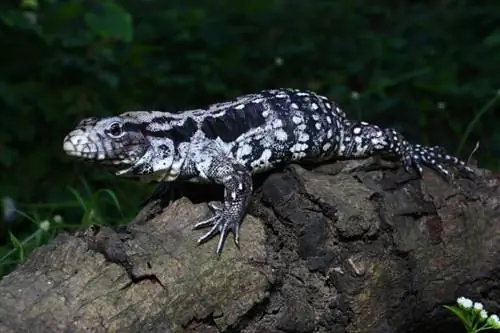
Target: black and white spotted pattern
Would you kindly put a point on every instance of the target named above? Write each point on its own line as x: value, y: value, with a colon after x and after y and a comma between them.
x: 228, y: 142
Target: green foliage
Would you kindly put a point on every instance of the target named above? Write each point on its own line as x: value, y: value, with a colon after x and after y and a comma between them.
x: 94, y: 207
x: 64, y: 60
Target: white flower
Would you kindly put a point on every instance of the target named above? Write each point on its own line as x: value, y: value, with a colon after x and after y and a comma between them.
x: 45, y: 225
x: 478, y: 306
x: 483, y: 314
x: 493, y: 321
x: 464, y: 302
x: 57, y: 219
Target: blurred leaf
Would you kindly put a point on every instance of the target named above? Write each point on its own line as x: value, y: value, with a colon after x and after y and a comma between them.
x: 8, y: 94
x: 493, y: 39
x: 112, y: 22
x: 17, y: 244
x: 7, y: 156
x: 29, y: 4
x: 15, y: 19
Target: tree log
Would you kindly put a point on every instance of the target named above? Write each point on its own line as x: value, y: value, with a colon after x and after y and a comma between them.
x: 342, y: 247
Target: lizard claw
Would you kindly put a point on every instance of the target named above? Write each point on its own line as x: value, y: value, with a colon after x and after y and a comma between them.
x: 219, y: 223
x: 216, y: 209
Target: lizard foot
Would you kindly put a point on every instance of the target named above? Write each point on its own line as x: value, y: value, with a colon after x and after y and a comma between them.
x: 436, y: 158
x: 219, y: 223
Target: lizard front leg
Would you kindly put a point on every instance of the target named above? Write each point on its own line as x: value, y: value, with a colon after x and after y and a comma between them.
x: 237, y: 182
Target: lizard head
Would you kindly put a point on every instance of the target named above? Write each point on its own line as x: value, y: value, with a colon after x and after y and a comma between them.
x: 106, y: 140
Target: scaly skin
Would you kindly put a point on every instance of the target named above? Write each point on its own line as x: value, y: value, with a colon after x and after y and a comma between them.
x: 228, y: 142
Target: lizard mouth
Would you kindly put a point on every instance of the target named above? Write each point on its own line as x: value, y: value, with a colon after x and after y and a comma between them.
x: 92, y: 153
x: 81, y: 152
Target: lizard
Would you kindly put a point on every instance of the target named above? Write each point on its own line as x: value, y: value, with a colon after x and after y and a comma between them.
x: 227, y: 143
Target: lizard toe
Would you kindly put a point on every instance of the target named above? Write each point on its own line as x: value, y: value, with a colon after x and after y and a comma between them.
x: 437, y: 159
x: 222, y: 225
x: 210, y: 222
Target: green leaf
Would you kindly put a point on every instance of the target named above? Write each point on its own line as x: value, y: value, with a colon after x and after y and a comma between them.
x: 493, y: 39
x: 8, y: 157
x: 460, y: 315
x: 15, y: 19
x: 113, y: 197
x: 29, y: 4
x: 8, y: 94
x: 17, y: 244
x: 112, y: 22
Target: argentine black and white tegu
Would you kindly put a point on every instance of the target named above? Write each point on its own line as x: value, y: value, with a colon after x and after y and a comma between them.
x: 226, y: 143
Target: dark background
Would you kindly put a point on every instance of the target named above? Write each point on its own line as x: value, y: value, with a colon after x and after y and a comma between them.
x: 430, y: 70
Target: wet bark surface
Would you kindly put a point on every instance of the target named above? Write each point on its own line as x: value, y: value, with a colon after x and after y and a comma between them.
x: 342, y: 247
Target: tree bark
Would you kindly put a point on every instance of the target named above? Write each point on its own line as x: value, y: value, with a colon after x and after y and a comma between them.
x: 342, y: 247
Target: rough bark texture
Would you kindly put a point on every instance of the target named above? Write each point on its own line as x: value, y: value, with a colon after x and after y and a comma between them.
x: 343, y: 247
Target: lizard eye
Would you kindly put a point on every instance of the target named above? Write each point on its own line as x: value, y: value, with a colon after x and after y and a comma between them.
x: 115, y: 130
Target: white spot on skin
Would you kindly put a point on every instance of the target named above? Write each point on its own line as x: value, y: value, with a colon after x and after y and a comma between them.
x: 315, y: 116
x: 266, y: 142
x: 302, y: 94
x: 303, y: 137
x: 299, y: 155
x: 314, y: 106
x: 233, y: 195
x: 244, y: 150
x: 358, y: 139
x: 296, y: 120
x: 302, y: 127
x: 329, y: 134
x: 378, y: 143
x: 294, y: 106
x: 281, y: 135
x: 263, y: 159
x: 258, y: 100
x: 318, y: 126
x: 356, y: 130
x: 329, y: 120
x: 327, y: 146
x: 239, y: 107
x: 328, y: 106
x: 277, y: 123
x: 299, y: 147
